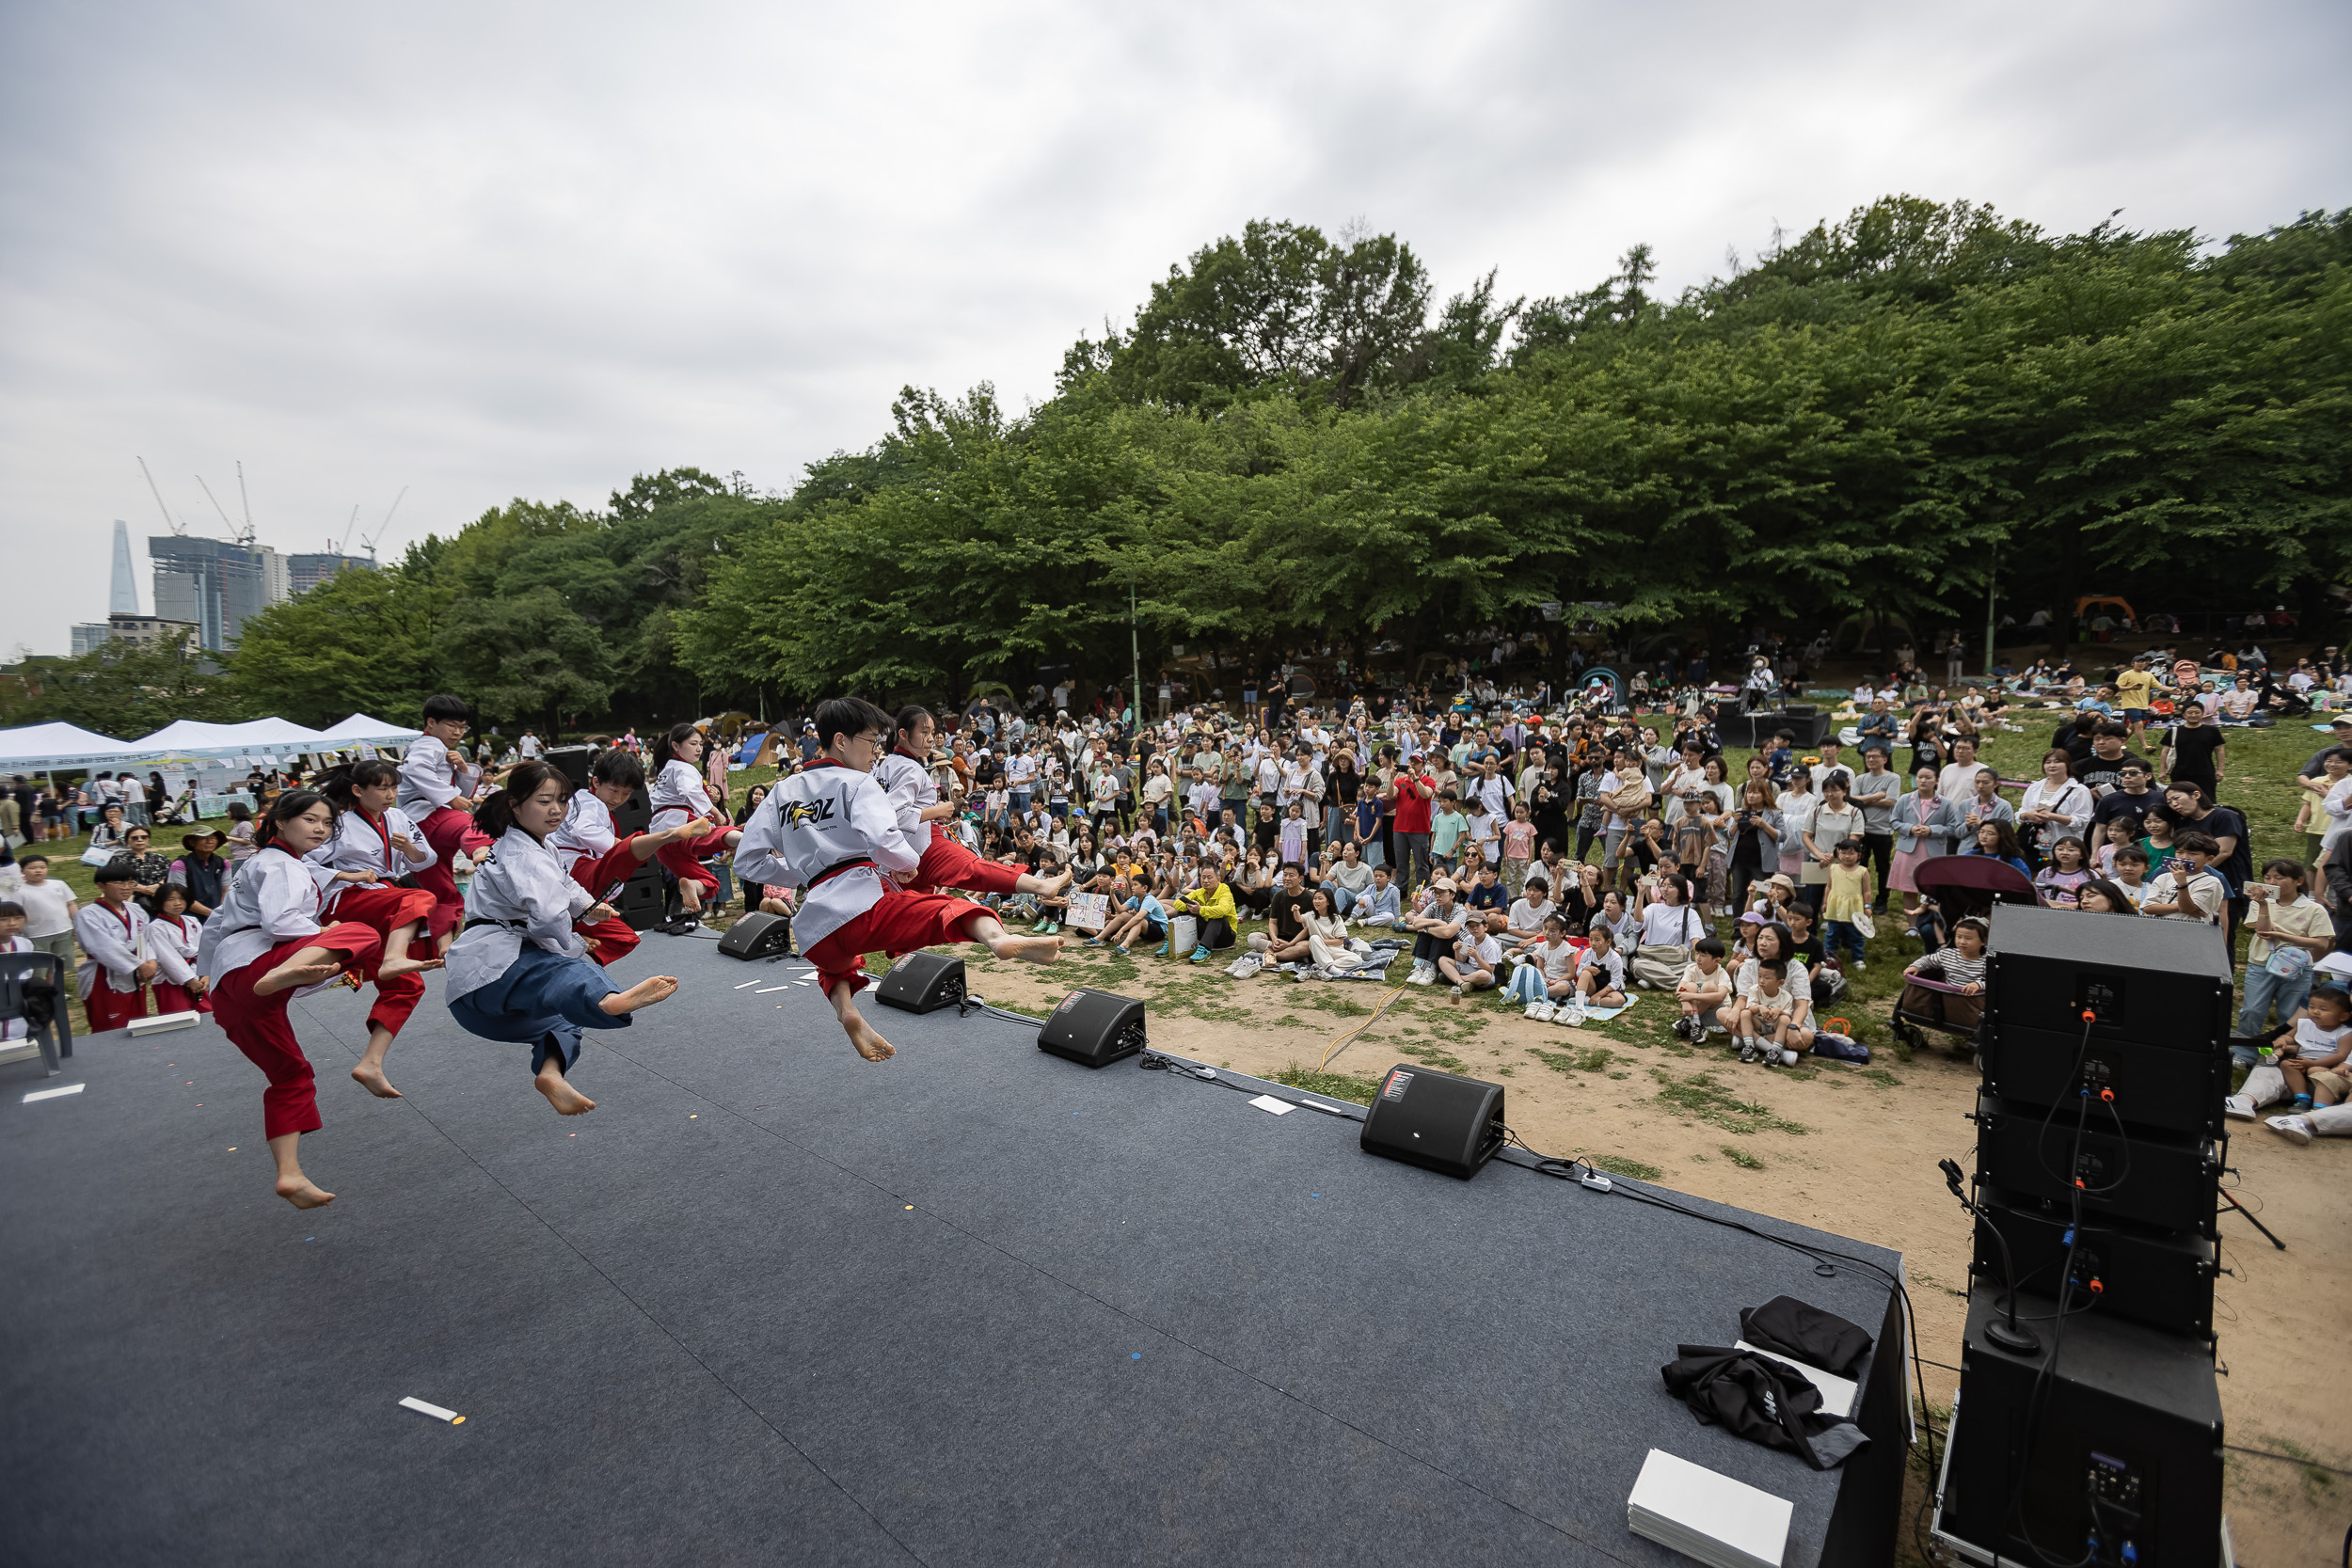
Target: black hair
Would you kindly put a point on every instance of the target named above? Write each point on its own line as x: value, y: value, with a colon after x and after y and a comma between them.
x: 497, y: 812
x: 1772, y: 966
x: 1712, y: 946
x: 837, y: 715
x: 665, y: 745
x: 2118, y: 901
x: 240, y: 811
x: 908, y: 716
x: 616, y: 767
x: 10, y: 911
x: 341, y: 785
x: 285, y: 809
x: 30, y: 858
x: 153, y: 903
x: 447, y: 706
x: 114, y: 871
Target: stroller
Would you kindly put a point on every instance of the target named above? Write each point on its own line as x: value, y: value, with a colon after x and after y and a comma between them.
x: 1956, y: 888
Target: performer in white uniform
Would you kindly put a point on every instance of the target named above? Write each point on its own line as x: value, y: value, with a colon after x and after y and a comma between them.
x: 116, y: 964
x: 433, y: 794
x: 518, y: 972
x: 172, y: 934
x: 829, y: 828
x: 590, y: 848
x: 374, y: 845
x: 262, y: 944
x: 680, y: 800
x: 904, y: 773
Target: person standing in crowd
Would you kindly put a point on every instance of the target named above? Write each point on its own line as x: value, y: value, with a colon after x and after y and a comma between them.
x: 49, y: 907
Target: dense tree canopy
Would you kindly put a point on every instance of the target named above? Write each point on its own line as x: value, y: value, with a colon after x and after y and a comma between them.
x: 1289, y: 445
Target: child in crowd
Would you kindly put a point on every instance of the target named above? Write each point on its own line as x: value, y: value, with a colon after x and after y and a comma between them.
x: 1600, y: 973
x: 2131, y: 873
x: 1380, y: 905
x: 117, y: 963
x: 2313, y: 1071
x: 1446, y: 830
x: 2186, y: 889
x: 1705, y: 986
x: 1519, y: 849
x: 1851, y: 886
x: 2062, y: 879
x: 1294, y: 836
x: 174, y: 933
x: 1773, y: 1017
x: 1475, y: 958
x: 1525, y: 928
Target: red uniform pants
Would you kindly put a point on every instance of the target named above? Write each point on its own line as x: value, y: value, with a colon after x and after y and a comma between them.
x: 256, y: 1026
x: 109, y: 1008
x: 385, y: 909
x: 949, y: 863
x: 612, y: 938
x: 900, y: 923
x: 447, y: 832
x: 179, y: 999
x: 684, y: 857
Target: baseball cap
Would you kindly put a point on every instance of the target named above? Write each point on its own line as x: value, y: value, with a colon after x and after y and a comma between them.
x: 1444, y: 884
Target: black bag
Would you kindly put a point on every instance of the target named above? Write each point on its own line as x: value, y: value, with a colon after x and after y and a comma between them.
x: 1802, y: 1331
x: 1761, y: 1400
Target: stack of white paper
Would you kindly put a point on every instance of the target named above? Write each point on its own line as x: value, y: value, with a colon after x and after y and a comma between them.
x: 163, y: 1023
x: 1707, y: 1516
x: 1837, y: 1393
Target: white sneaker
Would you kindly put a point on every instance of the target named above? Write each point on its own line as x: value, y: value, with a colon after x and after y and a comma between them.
x: 1542, y: 1012
x: 1421, y: 977
x: 1787, y: 1059
x: 1859, y: 965
x: 2293, y: 1129
x: 2238, y: 1107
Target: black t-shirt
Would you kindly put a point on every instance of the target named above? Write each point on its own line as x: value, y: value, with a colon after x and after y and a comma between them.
x: 2226, y: 822
x: 1807, y: 952
x: 2094, y: 770
x: 2193, y: 749
x: 1286, y: 907
x: 2125, y: 804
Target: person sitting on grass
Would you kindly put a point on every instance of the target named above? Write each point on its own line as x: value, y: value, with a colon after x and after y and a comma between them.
x: 1141, y: 918
x: 1533, y: 906
x: 1559, y: 960
x: 1379, y: 905
x: 2312, y: 1069
x: 1433, y: 932
x: 1776, y: 1019
x: 1284, y: 938
x: 1472, y: 963
x: 1211, y: 905
x: 1327, y: 935
x: 1705, y: 986
x: 1600, y: 973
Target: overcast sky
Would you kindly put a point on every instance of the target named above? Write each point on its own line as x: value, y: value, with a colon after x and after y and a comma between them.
x: 484, y: 251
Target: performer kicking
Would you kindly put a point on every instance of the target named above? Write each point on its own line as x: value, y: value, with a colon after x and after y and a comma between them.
x: 680, y: 800
x: 117, y: 965
x: 905, y: 776
x: 432, y: 795
x: 263, y: 943
x: 591, y: 849
x: 831, y: 829
x: 518, y: 972
x: 372, y: 846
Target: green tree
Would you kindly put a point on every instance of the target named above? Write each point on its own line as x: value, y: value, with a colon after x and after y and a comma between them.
x: 359, y: 642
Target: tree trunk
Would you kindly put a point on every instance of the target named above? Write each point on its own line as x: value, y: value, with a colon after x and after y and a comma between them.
x: 2067, y: 589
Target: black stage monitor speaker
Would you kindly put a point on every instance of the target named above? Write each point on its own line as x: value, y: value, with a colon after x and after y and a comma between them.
x: 1435, y: 1119
x: 2143, y: 1273
x: 1095, y: 1027
x: 2153, y: 982
x: 2113, y: 1458
x: 757, y: 936
x: 639, y: 899
x: 634, y: 814
x: 922, y: 983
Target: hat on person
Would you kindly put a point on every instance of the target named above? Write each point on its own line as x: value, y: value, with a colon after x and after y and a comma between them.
x: 1753, y: 918
x: 1443, y: 885
x: 197, y: 840
x: 1781, y: 879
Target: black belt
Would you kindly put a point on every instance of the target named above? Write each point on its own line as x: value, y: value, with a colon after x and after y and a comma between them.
x: 484, y: 920
x: 837, y: 870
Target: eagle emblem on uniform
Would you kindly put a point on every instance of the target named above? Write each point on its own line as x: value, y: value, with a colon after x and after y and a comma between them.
x: 795, y: 813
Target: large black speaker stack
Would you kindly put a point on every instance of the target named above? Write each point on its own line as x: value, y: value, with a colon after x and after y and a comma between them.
x: 2096, y: 1438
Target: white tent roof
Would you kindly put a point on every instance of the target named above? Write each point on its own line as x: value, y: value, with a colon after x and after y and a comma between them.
x: 40, y: 748
x: 376, y: 732
x: 191, y: 738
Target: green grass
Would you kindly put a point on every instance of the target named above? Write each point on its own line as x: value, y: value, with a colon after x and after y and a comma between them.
x: 1330, y: 1086
x: 1703, y: 1098
x: 1741, y: 1158
x: 1617, y: 1164
x: 1587, y: 1059
x: 1443, y: 1061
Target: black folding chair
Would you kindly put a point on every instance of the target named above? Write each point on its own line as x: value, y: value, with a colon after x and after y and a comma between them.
x: 23, y: 972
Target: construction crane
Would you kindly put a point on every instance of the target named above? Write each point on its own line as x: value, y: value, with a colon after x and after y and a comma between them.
x: 369, y: 543
x: 218, y: 507
x: 338, y: 547
x: 245, y: 539
x: 178, y: 527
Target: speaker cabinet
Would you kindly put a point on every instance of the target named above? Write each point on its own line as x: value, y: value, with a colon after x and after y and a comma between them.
x: 1435, y: 1119
x: 573, y: 762
x: 922, y: 983
x: 757, y: 936
x: 1094, y: 1027
x: 2144, y: 1274
x: 634, y: 814
x: 2156, y: 1088
x: 2171, y: 1182
x: 639, y: 900
x: 2115, y: 1459
x: 2152, y: 982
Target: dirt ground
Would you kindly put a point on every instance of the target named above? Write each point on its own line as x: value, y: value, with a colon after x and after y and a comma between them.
x: 1849, y: 1149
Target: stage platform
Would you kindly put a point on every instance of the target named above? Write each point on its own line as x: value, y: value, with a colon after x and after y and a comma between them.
x: 771, y: 1303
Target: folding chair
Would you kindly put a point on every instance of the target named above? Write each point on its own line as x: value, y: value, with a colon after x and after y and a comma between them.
x: 53, y: 1040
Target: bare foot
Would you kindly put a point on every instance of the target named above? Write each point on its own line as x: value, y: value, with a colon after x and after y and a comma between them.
x: 1061, y: 881
x: 864, y: 1036
x: 369, y: 1076
x: 393, y: 969
x: 644, y: 993
x: 568, y: 1101
x: 1038, y: 950
x: 303, y: 1193
x: 286, y: 977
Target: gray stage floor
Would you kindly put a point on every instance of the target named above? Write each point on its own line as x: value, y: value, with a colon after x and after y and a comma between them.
x: 771, y: 1303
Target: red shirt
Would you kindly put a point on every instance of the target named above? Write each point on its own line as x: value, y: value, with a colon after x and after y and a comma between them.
x: 1412, y: 811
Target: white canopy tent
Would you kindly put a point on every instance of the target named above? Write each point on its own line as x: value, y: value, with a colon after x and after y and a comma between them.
x: 192, y: 740
x: 361, y: 730
x: 62, y: 748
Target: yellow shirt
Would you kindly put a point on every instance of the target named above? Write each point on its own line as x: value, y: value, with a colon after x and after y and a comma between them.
x: 2135, y: 688
x: 1849, y: 890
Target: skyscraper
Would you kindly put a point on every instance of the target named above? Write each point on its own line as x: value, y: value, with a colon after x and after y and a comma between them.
x: 212, y: 583
x: 122, y: 598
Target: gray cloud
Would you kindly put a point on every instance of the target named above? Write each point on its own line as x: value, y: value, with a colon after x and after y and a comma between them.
x: 530, y: 250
